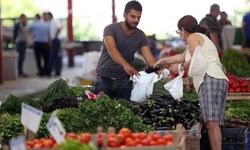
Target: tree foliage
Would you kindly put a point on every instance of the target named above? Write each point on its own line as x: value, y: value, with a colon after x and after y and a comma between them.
x: 13, y: 8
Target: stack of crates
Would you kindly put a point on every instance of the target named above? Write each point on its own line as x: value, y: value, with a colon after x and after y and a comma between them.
x: 232, y: 139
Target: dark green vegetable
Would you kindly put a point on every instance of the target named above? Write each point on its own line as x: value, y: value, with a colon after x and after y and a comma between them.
x: 236, y: 63
x: 13, y: 104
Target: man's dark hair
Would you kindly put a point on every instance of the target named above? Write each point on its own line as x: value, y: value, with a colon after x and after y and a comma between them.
x: 214, y: 7
x: 133, y: 5
x: 50, y: 14
x: 22, y: 15
x: 37, y: 16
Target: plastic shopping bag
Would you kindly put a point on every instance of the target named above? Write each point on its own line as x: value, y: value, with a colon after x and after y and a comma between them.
x: 143, y: 86
x: 175, y: 86
x: 90, y: 60
x: 198, y: 64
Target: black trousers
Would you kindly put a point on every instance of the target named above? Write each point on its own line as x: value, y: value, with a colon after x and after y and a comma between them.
x: 119, y: 88
x: 42, y: 53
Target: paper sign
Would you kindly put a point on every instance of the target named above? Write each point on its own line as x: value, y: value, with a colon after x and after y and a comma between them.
x: 18, y: 143
x: 56, y: 129
x: 31, y: 117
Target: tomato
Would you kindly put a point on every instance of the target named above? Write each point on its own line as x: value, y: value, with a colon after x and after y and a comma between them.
x: 145, y: 142
x: 143, y: 135
x: 139, y: 145
x: 47, y: 143
x: 130, y: 143
x: 125, y: 131
x: 30, y: 144
x: 161, y: 141
x: 169, y: 143
x: 113, y: 142
x: 52, y: 139
x: 123, y: 147
x: 154, y: 136
x: 168, y: 137
x: 111, y: 135
x: 120, y: 137
x: 230, y: 90
x: 71, y: 135
x: 138, y: 141
x: 55, y: 145
x: 38, y: 145
x: 85, y: 137
x: 152, y: 143
x: 237, y: 89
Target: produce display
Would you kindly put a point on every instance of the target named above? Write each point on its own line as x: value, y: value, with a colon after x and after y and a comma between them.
x: 163, y: 112
x: 237, y: 84
x: 81, y: 116
x: 72, y: 141
x: 122, y: 139
x: 238, y: 110
x: 235, y: 63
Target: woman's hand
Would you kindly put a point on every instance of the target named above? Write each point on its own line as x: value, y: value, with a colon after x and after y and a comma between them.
x: 174, y: 68
x: 161, y: 63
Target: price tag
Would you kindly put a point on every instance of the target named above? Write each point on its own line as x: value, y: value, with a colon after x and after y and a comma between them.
x: 31, y: 117
x: 18, y: 143
x: 56, y: 129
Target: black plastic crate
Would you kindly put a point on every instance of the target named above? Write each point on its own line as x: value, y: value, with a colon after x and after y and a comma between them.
x: 232, y: 139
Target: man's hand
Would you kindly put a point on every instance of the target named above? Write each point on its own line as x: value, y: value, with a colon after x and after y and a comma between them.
x: 131, y: 71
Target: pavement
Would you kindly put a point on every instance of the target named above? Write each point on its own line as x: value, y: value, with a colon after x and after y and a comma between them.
x: 33, y: 85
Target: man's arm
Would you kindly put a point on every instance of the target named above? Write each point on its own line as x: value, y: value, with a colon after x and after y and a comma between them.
x: 117, y: 57
x: 148, y: 56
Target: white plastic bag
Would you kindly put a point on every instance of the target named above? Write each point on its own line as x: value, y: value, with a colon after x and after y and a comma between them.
x: 198, y: 64
x: 90, y: 60
x: 175, y: 86
x: 143, y: 86
x: 165, y: 73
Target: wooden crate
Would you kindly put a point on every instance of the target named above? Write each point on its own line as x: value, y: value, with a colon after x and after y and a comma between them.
x: 238, y: 96
x: 178, y: 143
x: 237, y: 123
x: 193, y: 143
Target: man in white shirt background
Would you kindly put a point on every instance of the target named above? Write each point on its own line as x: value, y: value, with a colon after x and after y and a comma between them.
x: 56, y: 52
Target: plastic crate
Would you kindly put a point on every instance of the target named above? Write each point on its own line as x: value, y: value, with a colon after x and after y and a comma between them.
x: 232, y: 139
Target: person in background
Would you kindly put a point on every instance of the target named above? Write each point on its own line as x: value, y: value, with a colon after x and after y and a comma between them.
x: 120, y: 43
x: 56, y: 52
x: 20, y: 38
x: 211, y: 24
x: 210, y: 82
x: 41, y: 37
x: 153, y: 45
x: 246, y: 30
x: 227, y: 31
x: 224, y: 20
